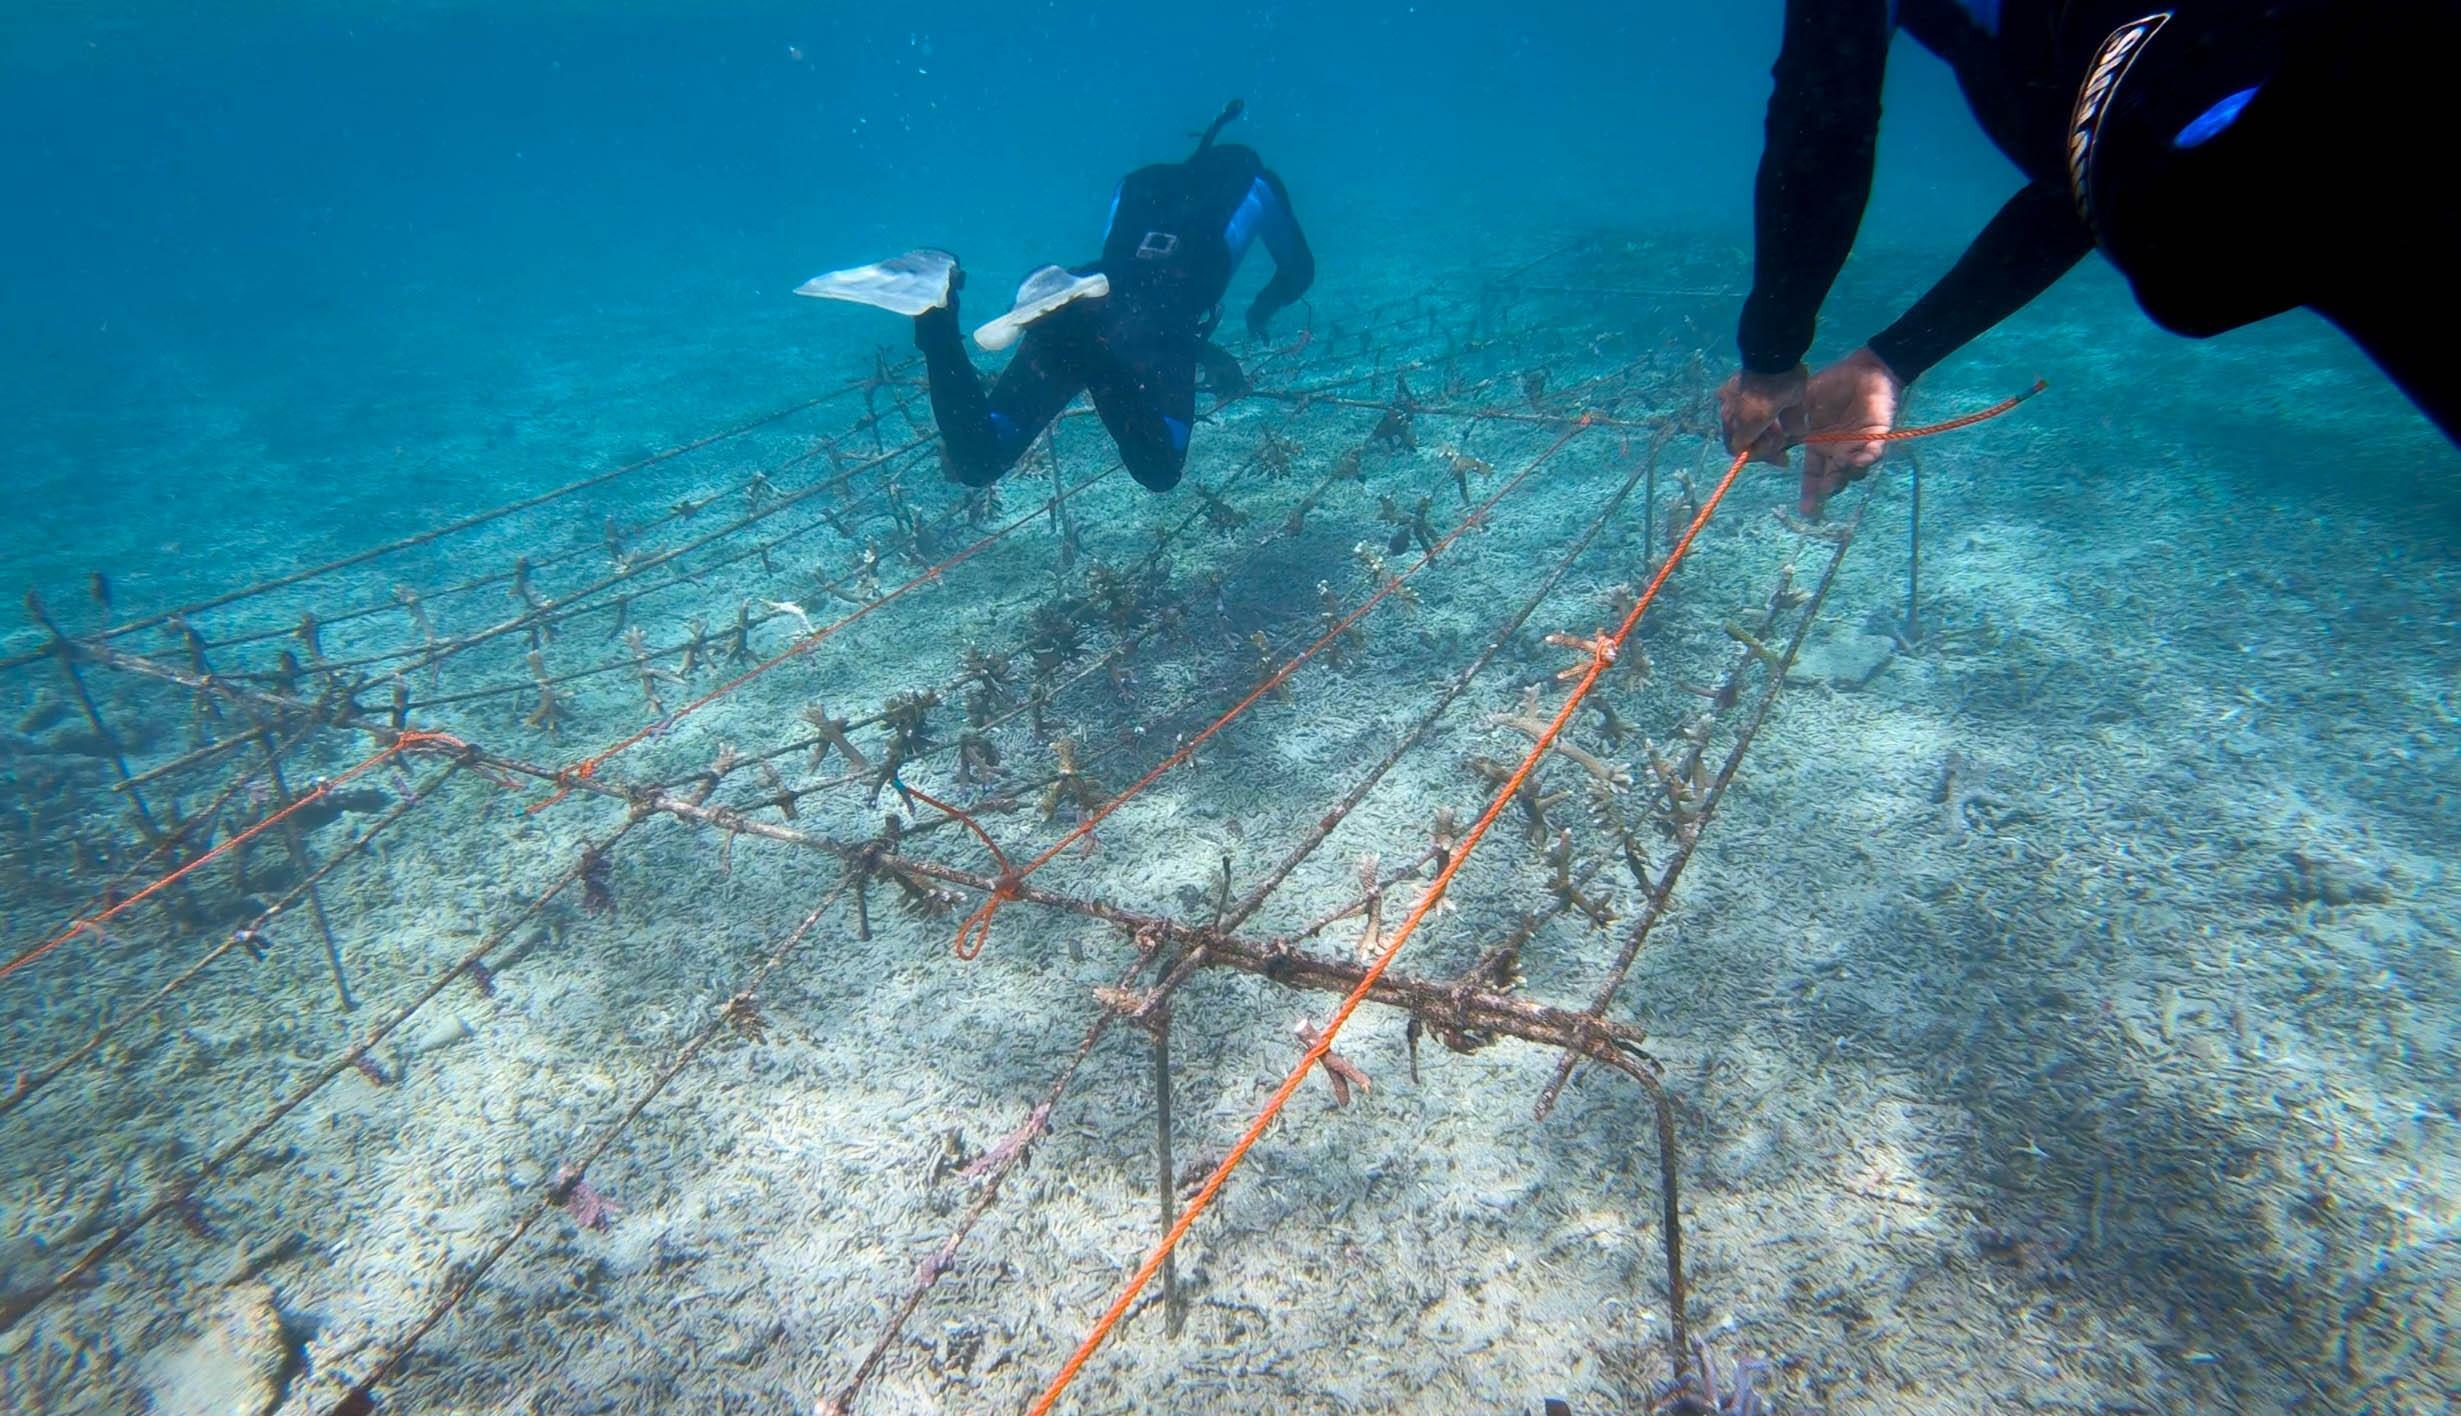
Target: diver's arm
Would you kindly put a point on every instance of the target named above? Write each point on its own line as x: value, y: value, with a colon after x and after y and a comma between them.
x: 1815, y: 171
x: 1294, y: 266
x: 2036, y: 238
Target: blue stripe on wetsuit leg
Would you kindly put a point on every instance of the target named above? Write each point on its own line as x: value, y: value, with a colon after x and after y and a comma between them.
x: 1241, y: 231
x: 1111, y: 218
x: 1179, y: 433
x: 1005, y: 438
x: 2208, y: 125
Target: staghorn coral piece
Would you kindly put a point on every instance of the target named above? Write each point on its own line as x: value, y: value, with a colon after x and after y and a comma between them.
x: 1683, y: 787
x: 833, y: 732
x: 1070, y: 784
x: 1445, y: 832
x: 637, y: 645
x: 549, y: 714
x: 1568, y: 889
x: 743, y: 1013
x: 1397, y: 430
x: 978, y: 759
x: 597, y: 894
x: 1276, y: 456
x: 1267, y: 665
x: 1219, y: 513
x: 1534, y: 800
x: 1611, y: 724
x: 739, y: 639
x: 523, y: 592
x: 1055, y: 634
x: 1531, y: 725
x: 1372, y: 559
x: 1340, y: 1071
x: 1606, y: 810
x: 1751, y: 644
x: 906, y: 716
x: 1593, y: 648
x: 1463, y: 467
x: 574, y: 1195
x: 697, y: 652
x: 988, y: 682
x: 1329, y: 613
x: 1116, y: 597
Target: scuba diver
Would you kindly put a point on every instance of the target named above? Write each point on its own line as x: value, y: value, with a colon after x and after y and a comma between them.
x: 2232, y: 160
x: 1130, y: 328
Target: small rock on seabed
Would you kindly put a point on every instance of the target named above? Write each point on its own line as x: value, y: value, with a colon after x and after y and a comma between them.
x: 1847, y: 661
x: 237, y: 1366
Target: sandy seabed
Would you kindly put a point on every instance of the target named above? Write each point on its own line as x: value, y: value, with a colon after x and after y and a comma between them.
x: 2059, y: 1010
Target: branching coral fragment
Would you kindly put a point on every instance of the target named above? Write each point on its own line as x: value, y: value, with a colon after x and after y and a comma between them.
x: 1530, y: 724
x: 589, y: 1209
x: 1567, y: 882
x: 833, y: 734
x: 1070, y: 784
x: 1340, y: 1071
x: 549, y: 714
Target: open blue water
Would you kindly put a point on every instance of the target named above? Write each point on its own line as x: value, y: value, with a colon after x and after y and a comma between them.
x: 345, y: 269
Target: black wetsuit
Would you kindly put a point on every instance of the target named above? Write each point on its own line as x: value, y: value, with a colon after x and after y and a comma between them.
x: 2234, y: 159
x: 1176, y: 234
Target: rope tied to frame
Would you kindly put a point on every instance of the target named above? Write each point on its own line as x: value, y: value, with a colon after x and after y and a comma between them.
x: 406, y: 741
x: 1602, y: 651
x: 975, y: 932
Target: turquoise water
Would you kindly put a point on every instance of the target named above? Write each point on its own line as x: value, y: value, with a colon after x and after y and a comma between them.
x: 2059, y: 1012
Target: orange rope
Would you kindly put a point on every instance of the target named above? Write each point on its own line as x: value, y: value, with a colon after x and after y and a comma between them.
x: 402, y: 743
x: 976, y: 931
x: 1603, y: 652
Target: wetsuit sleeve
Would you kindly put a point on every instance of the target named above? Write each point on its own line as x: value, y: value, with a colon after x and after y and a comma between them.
x: 1294, y: 266
x: 2036, y: 238
x: 1815, y: 171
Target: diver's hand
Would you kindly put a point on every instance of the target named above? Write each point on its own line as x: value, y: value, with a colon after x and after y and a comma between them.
x: 1763, y: 412
x: 1858, y: 393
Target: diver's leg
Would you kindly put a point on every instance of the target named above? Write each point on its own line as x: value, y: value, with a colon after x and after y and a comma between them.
x: 985, y: 433
x: 1145, y: 390
x: 2408, y: 333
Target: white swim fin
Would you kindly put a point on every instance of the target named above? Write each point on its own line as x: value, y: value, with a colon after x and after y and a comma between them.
x: 1043, y: 291
x: 907, y: 285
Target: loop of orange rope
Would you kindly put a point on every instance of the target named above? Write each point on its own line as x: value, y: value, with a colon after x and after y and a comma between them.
x: 92, y: 924
x: 1603, y: 652
x: 976, y: 931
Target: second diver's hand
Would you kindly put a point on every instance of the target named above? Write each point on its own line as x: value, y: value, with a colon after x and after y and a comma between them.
x: 1763, y: 412
x: 1859, y: 393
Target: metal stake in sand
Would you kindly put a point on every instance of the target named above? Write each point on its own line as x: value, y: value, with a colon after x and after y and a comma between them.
x: 67, y: 653
x: 1166, y: 1178
x: 292, y: 839
x: 296, y: 843
x: 1914, y: 549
